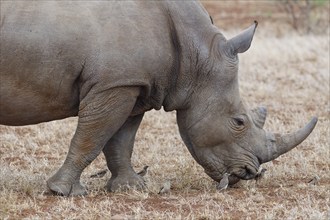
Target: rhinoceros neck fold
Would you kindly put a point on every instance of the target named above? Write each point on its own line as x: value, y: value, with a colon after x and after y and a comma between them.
x: 191, y: 39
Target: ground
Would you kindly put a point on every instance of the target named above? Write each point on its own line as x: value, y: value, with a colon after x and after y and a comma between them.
x: 285, y: 70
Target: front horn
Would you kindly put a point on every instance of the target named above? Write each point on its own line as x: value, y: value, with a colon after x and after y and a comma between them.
x: 279, y: 144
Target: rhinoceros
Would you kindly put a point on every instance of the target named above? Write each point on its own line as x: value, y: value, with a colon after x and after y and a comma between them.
x: 109, y: 62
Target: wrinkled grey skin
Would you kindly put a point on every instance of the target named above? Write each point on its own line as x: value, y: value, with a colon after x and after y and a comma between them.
x: 109, y: 62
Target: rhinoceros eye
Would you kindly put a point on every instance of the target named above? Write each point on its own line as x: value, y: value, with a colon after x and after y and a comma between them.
x: 238, y: 125
x: 239, y: 121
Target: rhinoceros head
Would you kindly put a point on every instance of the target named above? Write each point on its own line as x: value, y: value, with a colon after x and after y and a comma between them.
x: 221, y: 133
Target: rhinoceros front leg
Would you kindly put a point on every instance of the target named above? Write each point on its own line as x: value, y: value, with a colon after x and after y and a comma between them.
x: 101, y: 114
x: 118, y: 152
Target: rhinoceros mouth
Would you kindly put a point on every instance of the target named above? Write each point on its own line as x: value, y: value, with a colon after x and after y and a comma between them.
x: 247, y: 166
x: 246, y: 173
x: 245, y: 170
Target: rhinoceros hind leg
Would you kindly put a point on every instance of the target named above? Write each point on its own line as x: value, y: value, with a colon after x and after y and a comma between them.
x: 118, y: 152
x: 125, y: 182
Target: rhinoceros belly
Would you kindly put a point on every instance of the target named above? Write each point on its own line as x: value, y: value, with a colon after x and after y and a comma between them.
x: 23, y: 103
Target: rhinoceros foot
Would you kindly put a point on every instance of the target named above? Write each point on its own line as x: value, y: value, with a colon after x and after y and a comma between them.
x: 66, y: 188
x: 124, y: 183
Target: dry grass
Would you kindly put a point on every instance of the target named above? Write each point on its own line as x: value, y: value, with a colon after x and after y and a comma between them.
x: 289, y: 74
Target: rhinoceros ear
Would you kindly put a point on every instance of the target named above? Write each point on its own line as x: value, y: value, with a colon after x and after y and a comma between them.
x: 242, y: 42
x: 259, y: 116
